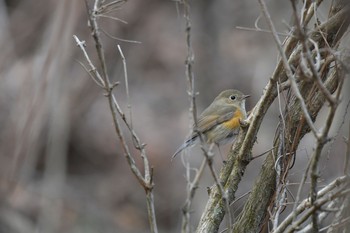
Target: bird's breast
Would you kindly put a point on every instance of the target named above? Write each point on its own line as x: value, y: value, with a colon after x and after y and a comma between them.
x: 234, y: 123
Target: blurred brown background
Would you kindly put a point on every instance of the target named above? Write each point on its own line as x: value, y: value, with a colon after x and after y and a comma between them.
x: 61, y: 167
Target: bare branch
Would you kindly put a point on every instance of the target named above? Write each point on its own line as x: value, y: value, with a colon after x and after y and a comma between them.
x: 192, y: 112
x: 261, y: 30
x: 120, y: 39
x: 193, y: 109
x: 93, y: 69
x: 91, y: 75
x: 324, y: 195
x: 113, y: 18
x: 145, y: 181
x: 191, y: 190
x: 303, y: 38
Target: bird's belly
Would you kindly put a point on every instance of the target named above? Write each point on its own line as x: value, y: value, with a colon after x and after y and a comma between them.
x: 221, y: 135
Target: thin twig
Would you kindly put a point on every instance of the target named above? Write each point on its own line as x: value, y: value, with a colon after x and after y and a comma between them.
x: 120, y: 39
x: 279, y: 167
x: 321, y: 141
x: 262, y: 154
x: 91, y: 75
x: 261, y: 30
x: 307, y: 53
x: 192, y: 110
x: 93, y: 69
x: 300, y: 188
x: 347, y: 155
x: 191, y: 92
x: 113, y: 18
x: 321, y: 217
x: 191, y: 190
x: 126, y: 79
x: 108, y: 7
x: 95, y: 29
x: 318, y: 203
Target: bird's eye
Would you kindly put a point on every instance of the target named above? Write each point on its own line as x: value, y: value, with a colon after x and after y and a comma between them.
x: 232, y: 97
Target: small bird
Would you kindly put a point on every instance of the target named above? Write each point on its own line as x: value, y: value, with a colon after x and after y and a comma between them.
x: 220, y: 122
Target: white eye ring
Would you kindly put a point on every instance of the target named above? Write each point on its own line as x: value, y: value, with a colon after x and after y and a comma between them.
x: 232, y: 97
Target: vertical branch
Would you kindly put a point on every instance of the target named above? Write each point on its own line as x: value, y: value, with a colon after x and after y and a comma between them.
x: 148, y: 176
x: 191, y: 190
x: 193, y: 109
x: 95, y: 31
x: 126, y: 79
x: 146, y: 180
x: 321, y: 141
x: 191, y: 185
x: 347, y: 155
x: 279, y: 167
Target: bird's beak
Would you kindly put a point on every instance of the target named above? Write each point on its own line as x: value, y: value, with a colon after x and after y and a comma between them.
x: 245, y: 96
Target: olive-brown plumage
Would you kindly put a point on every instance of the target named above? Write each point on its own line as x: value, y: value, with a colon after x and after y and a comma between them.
x: 220, y: 121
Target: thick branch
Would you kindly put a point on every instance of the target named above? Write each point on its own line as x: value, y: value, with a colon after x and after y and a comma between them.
x: 239, y: 157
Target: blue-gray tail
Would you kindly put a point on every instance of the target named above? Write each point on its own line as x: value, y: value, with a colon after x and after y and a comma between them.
x: 187, y: 143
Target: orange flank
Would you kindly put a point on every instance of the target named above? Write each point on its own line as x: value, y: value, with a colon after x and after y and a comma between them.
x: 234, y: 122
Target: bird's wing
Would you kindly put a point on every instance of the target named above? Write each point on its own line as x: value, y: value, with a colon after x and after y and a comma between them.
x: 204, y: 124
x: 208, y: 122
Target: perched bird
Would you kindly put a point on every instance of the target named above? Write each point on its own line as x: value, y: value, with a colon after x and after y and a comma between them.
x: 220, y: 122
